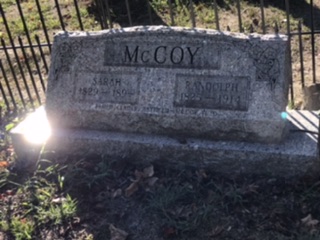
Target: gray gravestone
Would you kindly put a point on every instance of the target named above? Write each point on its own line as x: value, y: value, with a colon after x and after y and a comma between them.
x: 171, y: 82
x: 180, y: 96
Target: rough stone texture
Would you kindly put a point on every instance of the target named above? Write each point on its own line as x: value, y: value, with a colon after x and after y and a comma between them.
x: 170, y: 82
x: 294, y: 157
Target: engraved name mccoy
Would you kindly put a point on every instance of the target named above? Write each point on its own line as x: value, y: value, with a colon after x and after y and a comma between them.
x: 162, y: 55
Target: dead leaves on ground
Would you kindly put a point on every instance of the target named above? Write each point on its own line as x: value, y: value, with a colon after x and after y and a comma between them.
x: 4, y: 164
x: 132, y: 188
x: 144, y: 179
x: 308, y: 221
x: 6, y: 157
x: 311, y: 224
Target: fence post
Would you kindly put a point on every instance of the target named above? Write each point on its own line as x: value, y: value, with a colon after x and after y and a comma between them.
x: 289, y: 39
x: 30, y: 44
x: 301, y: 54
x: 8, y: 86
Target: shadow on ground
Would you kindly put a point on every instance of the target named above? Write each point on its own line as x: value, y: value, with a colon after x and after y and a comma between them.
x: 300, y: 9
x: 141, y: 13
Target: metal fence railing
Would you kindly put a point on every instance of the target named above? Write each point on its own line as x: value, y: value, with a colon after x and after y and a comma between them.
x: 27, y: 29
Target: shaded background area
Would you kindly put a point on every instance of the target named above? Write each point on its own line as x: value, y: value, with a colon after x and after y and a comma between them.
x: 125, y: 13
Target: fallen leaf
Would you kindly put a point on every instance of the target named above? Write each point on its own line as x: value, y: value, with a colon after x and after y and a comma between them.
x: 76, y: 220
x: 132, y: 189
x: 3, y: 164
x: 117, y: 193
x: 152, y: 181
x: 309, y: 221
x: 148, y: 171
x: 117, y: 234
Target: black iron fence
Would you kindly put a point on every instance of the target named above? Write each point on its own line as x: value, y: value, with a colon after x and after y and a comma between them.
x: 27, y: 29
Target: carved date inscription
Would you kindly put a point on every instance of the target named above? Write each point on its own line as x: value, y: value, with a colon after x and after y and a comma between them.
x: 212, y: 92
x: 106, y: 87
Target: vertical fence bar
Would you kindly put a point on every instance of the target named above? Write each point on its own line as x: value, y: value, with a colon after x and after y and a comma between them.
x: 44, y: 27
x: 192, y: 15
x: 59, y: 15
x: 128, y: 12
x: 78, y: 14
x: 276, y: 27
x: 171, y: 13
x: 251, y: 29
x: 104, y: 17
x: 4, y: 97
x: 313, y: 43
x: 29, y: 70
x: 289, y: 39
x: 301, y: 53
x: 13, y: 72
x: 262, y: 17
x: 30, y: 44
x: 288, y: 17
x: 8, y: 85
x: 149, y: 12
x: 239, y: 16
x: 15, y: 53
x: 42, y: 54
x: 109, y: 14
x: 99, y: 7
x: 216, y: 15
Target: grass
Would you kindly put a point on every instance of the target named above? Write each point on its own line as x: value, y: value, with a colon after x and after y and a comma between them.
x: 77, y: 198
x: 30, y: 207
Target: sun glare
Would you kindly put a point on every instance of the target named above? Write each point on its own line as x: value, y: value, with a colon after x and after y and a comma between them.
x: 37, y: 128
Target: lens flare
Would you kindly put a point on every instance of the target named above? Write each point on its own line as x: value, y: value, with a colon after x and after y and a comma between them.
x: 37, y: 128
x: 284, y: 115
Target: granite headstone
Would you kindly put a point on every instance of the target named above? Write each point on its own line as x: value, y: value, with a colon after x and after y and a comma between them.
x: 179, y: 96
x: 171, y: 82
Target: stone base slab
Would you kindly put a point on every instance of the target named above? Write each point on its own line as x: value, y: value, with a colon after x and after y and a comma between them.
x: 296, y: 156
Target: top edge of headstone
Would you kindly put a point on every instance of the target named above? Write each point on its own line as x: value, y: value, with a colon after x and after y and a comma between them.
x: 168, y: 29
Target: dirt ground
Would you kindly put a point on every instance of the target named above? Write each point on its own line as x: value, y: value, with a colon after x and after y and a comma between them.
x: 124, y: 201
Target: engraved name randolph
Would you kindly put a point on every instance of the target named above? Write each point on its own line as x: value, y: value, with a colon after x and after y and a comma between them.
x: 107, y: 87
x: 171, y: 55
x: 212, y: 92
